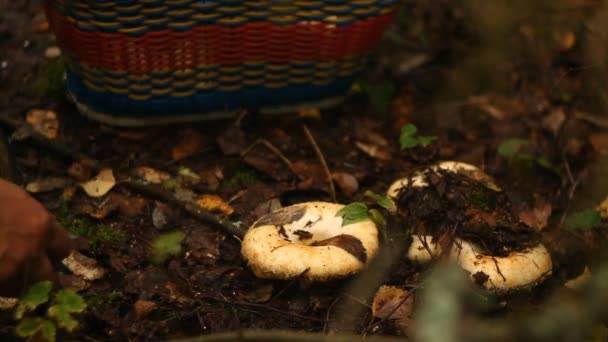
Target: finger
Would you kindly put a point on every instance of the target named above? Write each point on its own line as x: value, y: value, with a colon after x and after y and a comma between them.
x: 60, y: 245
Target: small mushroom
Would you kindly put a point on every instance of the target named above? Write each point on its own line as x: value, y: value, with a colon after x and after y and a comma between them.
x: 500, y: 274
x: 308, y: 240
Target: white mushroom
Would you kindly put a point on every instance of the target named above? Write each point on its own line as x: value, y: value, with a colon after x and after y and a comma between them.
x: 418, y: 179
x: 518, y: 270
x: 309, y: 239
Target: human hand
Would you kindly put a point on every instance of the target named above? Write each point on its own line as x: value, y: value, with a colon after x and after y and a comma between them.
x: 30, y: 240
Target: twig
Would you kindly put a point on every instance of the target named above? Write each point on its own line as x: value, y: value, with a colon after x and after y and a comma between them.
x: 273, y: 149
x: 265, y: 307
x: 331, y: 306
x: 330, y: 180
x: 155, y: 191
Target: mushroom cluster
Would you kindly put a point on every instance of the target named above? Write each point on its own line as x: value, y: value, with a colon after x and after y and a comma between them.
x: 499, y: 258
x: 309, y: 240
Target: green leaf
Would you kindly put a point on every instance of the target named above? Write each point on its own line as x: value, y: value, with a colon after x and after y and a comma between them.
x: 407, y: 142
x: 379, y: 221
x: 166, y: 245
x: 511, y: 147
x: 353, y: 213
x: 382, y: 201
x: 66, y: 303
x: 32, y: 325
x: 547, y: 164
x: 408, y: 130
x: 425, y: 141
x: 36, y: 295
x: 584, y: 220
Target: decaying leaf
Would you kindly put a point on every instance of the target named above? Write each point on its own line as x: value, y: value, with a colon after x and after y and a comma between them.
x: 48, y: 184
x: 151, y: 175
x: 603, y: 209
x: 373, y: 151
x: 599, y: 141
x: 214, y: 203
x: 7, y: 303
x: 392, y: 302
x: 143, y: 307
x: 44, y: 122
x: 346, y: 182
x: 100, y: 184
x: 537, y: 217
x: 190, y: 143
x: 83, y: 266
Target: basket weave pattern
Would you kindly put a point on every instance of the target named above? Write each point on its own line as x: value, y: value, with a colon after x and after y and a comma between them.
x: 192, y: 55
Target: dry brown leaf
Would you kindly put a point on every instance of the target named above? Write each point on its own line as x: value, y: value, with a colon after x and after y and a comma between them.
x: 390, y: 303
x: 143, y: 307
x: 537, y: 217
x: 190, y: 144
x: 214, y: 203
x: 44, y: 122
x: 346, y: 182
x: 7, y: 303
x: 373, y: 151
x: 151, y: 175
x: 599, y: 141
x: 311, y: 113
x: 83, y: 266
x: 100, y: 184
x: 48, y: 184
x: 80, y: 171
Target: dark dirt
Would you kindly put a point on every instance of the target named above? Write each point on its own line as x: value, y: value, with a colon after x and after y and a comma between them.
x: 452, y: 78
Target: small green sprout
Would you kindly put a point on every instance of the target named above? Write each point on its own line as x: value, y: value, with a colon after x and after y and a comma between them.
x: 166, y: 245
x: 513, y: 150
x: 59, y: 314
x: 583, y: 220
x: 410, y: 139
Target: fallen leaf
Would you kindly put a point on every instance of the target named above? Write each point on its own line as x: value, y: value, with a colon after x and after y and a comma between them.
x: 259, y: 294
x: 232, y: 141
x: 143, y: 307
x: 44, y: 122
x: 131, y: 206
x: 73, y: 282
x: 81, y: 171
x: 390, y: 303
x: 603, y: 209
x: 7, y: 303
x: 52, y: 52
x: 373, y: 151
x: 190, y: 144
x: 599, y: 141
x: 311, y: 113
x: 100, y: 184
x: 554, y: 121
x: 537, y: 217
x: 151, y: 175
x: 83, y: 266
x: 346, y: 182
x: 214, y: 203
x: 269, y: 165
x: 48, y: 184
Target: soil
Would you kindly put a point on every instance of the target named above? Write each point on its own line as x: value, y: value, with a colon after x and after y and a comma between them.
x: 471, y: 82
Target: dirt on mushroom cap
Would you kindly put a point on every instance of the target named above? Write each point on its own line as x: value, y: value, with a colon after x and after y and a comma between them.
x: 301, y: 240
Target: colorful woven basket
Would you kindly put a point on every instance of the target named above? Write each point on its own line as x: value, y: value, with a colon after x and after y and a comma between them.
x: 134, y: 62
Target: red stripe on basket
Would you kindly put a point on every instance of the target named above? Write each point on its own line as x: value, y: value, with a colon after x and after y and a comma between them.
x: 216, y: 44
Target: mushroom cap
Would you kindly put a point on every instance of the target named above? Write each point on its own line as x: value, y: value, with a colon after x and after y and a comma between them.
x: 418, y: 179
x: 308, y: 236
x: 518, y: 270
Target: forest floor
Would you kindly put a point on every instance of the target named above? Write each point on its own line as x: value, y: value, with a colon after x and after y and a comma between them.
x: 520, y: 95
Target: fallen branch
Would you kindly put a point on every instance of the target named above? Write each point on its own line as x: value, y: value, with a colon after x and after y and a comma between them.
x: 148, y: 189
x: 330, y: 179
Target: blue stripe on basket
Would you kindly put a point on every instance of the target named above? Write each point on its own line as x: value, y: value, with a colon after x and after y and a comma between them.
x: 258, y: 97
